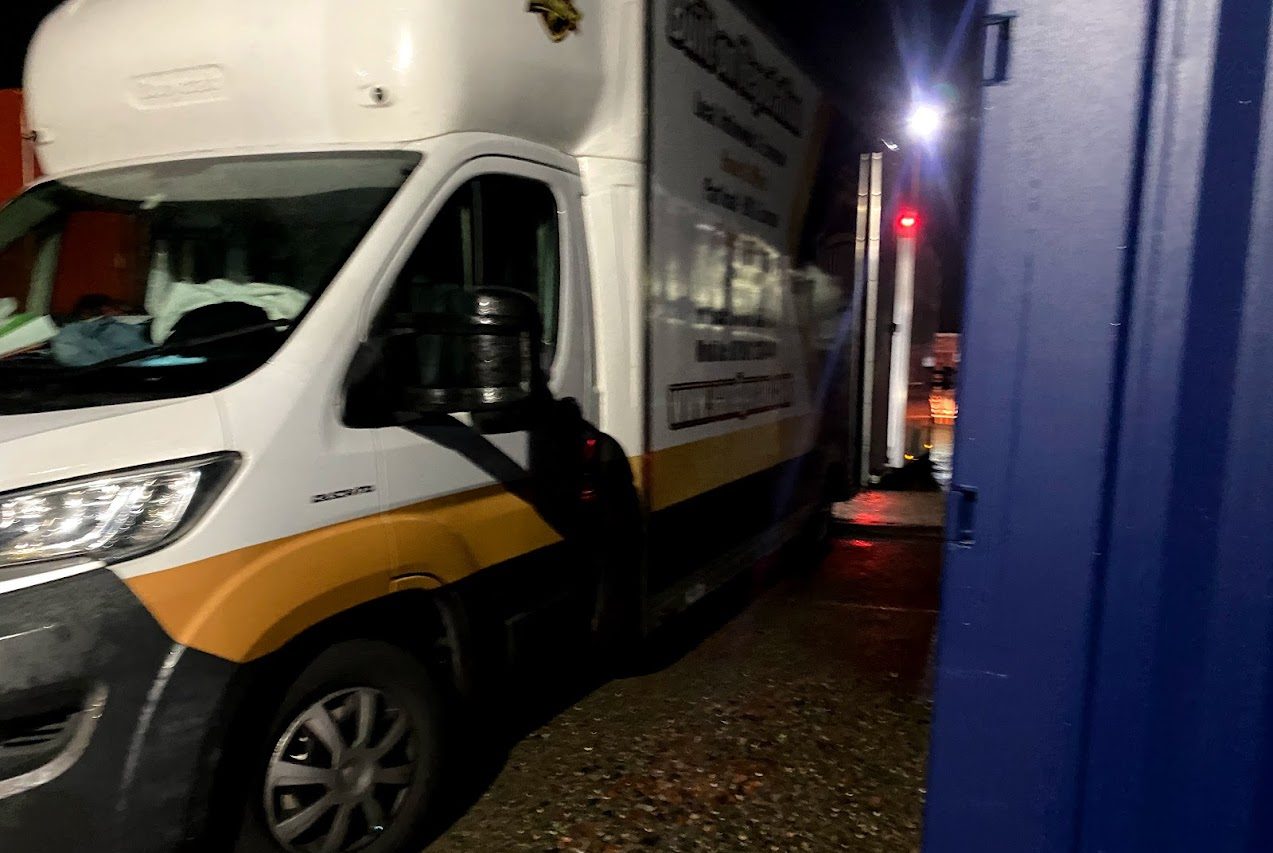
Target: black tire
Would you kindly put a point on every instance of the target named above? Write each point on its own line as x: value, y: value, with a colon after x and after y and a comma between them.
x: 340, y: 677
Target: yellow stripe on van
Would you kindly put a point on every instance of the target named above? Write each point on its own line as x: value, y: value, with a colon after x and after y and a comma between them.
x: 249, y: 602
x: 688, y: 470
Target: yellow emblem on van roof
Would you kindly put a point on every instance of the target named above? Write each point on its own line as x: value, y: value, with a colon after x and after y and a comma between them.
x: 560, y: 17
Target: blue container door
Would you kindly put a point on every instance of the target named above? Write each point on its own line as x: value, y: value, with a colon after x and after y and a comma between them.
x: 1104, y: 666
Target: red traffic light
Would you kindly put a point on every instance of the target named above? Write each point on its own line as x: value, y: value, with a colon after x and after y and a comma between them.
x: 907, y: 222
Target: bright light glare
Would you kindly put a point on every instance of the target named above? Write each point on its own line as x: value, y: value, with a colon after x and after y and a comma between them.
x: 924, y: 122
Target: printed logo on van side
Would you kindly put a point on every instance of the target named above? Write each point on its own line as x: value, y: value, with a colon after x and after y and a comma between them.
x: 342, y: 494
x: 179, y: 87
x: 560, y: 17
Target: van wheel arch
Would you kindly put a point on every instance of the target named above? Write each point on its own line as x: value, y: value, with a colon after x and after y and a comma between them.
x: 432, y: 626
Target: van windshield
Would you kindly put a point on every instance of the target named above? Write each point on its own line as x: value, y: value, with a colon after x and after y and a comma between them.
x: 173, y: 279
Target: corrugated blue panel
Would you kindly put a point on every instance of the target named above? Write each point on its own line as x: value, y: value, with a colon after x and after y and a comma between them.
x: 1106, y: 660
x: 1041, y: 336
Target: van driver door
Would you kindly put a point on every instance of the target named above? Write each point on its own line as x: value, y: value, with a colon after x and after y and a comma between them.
x: 456, y: 493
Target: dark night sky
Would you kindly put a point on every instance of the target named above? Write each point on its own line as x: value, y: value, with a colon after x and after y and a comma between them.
x: 870, y: 54
x: 20, y: 20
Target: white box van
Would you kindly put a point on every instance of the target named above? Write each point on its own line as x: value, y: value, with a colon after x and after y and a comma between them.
x: 354, y: 348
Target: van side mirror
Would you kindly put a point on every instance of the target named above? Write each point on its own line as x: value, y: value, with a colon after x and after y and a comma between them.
x: 475, y: 351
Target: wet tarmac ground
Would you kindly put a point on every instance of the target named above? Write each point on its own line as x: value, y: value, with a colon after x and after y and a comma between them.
x: 792, y: 719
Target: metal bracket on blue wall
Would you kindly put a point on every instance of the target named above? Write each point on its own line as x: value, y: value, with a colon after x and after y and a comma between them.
x: 965, y: 515
x: 994, y: 68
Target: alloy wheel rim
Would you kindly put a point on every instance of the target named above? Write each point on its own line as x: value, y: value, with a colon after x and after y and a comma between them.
x: 339, y: 774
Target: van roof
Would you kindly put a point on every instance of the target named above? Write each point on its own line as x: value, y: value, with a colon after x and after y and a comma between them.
x: 112, y: 81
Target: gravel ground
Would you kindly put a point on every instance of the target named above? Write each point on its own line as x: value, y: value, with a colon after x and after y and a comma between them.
x: 795, y: 720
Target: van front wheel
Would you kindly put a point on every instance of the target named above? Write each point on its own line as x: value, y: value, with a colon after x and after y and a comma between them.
x: 351, y: 759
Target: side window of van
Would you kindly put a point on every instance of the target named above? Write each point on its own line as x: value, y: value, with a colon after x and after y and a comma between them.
x: 495, y: 231
x: 519, y: 242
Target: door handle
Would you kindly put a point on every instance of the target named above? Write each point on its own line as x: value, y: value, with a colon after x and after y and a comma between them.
x: 994, y: 67
x: 965, y: 500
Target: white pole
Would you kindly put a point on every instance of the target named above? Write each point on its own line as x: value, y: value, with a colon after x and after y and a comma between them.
x: 899, y: 385
x: 875, y: 212
x: 859, y: 292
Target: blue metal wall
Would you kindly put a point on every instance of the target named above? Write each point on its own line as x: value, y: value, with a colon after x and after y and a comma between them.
x: 1105, y: 667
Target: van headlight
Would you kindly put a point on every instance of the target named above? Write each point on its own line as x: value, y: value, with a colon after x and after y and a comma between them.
x: 111, y: 517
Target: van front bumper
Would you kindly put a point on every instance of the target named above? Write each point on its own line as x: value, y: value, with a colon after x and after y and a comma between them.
x: 108, y: 729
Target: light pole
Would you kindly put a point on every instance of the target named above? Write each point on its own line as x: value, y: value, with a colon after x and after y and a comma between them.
x: 924, y: 125
x: 867, y: 282
x: 899, y: 383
